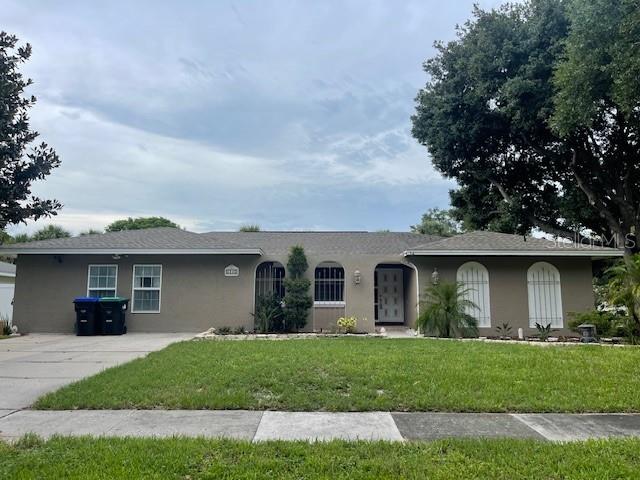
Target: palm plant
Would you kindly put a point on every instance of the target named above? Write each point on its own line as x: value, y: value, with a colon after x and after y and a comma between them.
x: 445, y: 311
x: 624, y: 289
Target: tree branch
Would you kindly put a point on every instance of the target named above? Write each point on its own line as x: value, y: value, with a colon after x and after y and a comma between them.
x: 554, y: 230
x: 597, y: 203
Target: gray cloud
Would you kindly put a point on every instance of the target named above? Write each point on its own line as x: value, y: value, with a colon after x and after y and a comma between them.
x: 289, y: 114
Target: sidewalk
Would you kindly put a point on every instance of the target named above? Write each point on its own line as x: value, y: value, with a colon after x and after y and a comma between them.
x: 259, y: 426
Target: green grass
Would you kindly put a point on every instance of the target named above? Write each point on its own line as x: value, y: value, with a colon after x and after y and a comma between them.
x: 366, y: 374
x: 173, y: 458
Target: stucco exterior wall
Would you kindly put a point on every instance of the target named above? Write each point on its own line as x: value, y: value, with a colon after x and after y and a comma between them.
x: 196, y: 295
x: 358, y: 298
x: 508, y: 286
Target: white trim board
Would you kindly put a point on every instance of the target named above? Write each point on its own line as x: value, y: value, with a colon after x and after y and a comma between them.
x: 131, y: 251
x: 515, y: 253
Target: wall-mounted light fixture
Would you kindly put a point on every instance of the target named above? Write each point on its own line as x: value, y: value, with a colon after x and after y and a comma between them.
x: 115, y: 256
x: 357, y: 277
x: 435, y: 276
x: 58, y: 258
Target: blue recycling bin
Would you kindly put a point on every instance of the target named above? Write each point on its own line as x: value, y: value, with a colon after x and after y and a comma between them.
x: 87, y: 321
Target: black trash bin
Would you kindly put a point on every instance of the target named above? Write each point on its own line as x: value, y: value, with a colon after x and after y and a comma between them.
x: 87, y: 316
x: 112, y: 315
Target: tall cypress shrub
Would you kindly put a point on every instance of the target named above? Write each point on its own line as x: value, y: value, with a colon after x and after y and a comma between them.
x: 297, y: 300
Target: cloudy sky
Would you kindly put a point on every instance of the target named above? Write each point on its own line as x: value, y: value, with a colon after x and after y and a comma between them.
x: 291, y: 115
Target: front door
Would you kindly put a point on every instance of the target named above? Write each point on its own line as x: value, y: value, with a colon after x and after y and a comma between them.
x: 390, y: 295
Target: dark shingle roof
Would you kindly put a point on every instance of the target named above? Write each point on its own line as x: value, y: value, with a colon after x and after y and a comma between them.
x: 483, y: 241
x: 318, y: 243
x: 173, y: 240
x: 165, y: 238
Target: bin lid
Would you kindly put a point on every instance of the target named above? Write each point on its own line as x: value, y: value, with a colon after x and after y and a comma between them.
x: 113, y: 299
x: 85, y: 300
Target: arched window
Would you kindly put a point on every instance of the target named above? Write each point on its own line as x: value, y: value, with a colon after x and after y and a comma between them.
x: 545, y: 296
x: 329, y: 283
x: 475, y: 278
x: 270, y: 279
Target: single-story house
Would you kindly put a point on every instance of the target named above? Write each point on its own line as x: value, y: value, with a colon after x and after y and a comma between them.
x: 7, y: 281
x: 183, y: 281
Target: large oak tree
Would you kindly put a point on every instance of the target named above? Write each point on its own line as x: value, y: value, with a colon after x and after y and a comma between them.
x: 20, y: 163
x: 535, y: 110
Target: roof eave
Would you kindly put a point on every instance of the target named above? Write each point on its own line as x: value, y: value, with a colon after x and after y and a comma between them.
x: 515, y: 253
x: 132, y: 251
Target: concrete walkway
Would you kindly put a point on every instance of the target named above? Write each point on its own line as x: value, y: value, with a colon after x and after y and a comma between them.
x: 260, y: 426
x: 32, y: 365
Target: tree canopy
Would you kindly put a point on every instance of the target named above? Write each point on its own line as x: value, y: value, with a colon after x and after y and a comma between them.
x: 437, y: 222
x: 249, y: 228
x: 140, y: 223
x: 20, y: 166
x: 45, y: 233
x: 535, y: 110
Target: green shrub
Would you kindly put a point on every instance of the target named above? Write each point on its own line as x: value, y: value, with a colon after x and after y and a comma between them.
x: 605, y: 322
x: 347, y: 324
x: 544, y: 331
x: 239, y: 331
x: 5, y: 326
x: 445, y: 312
x: 504, y: 330
x: 268, y: 316
x: 623, y: 290
x: 297, y: 300
x: 224, y: 330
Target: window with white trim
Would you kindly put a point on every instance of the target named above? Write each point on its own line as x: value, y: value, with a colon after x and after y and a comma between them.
x: 102, y: 281
x: 329, y: 283
x: 545, y: 295
x: 475, y: 280
x: 147, y: 282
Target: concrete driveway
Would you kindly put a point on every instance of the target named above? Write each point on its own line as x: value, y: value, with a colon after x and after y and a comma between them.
x: 39, y: 363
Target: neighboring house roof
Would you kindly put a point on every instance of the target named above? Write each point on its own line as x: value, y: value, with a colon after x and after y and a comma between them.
x: 493, y: 243
x: 7, y: 269
x: 153, y: 240
x: 328, y: 243
x: 176, y: 241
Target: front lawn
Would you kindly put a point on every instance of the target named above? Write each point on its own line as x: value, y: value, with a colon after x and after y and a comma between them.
x: 181, y: 458
x: 357, y: 374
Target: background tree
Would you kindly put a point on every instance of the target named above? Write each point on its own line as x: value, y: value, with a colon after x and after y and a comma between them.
x: 140, y: 223
x: 533, y: 111
x: 297, y: 300
x: 91, y: 231
x: 45, y: 233
x: 20, y: 166
x: 49, y: 232
x: 5, y: 237
x: 249, y: 228
x: 437, y: 222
